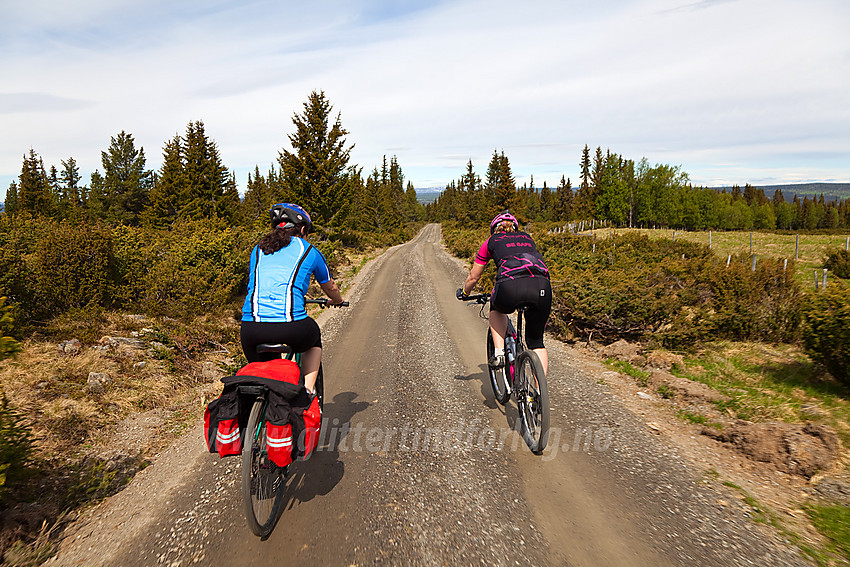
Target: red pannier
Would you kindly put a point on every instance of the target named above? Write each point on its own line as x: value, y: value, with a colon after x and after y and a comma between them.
x: 293, y: 418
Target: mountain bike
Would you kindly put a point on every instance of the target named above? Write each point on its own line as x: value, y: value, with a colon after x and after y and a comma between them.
x: 262, y: 479
x: 522, y: 375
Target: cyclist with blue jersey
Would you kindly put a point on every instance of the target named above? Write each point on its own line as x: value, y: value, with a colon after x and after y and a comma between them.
x: 274, y: 311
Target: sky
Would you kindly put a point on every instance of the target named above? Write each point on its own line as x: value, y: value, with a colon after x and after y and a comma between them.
x: 731, y: 91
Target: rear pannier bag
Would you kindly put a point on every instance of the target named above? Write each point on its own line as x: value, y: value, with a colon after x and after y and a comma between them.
x: 221, y: 425
x: 279, y: 443
x: 293, y: 417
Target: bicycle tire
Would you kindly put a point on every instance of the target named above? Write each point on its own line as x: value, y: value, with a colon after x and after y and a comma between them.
x: 532, y: 394
x: 262, y: 480
x: 497, y: 375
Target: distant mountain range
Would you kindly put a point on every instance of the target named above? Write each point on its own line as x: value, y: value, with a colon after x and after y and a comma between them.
x: 428, y: 194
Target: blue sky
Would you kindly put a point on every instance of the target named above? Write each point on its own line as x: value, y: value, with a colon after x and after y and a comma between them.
x: 733, y: 91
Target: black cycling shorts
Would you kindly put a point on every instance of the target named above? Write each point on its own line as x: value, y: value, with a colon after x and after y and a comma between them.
x: 300, y: 336
x: 533, y: 293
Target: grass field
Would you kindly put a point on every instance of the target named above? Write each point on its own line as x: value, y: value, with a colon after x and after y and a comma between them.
x: 810, y: 250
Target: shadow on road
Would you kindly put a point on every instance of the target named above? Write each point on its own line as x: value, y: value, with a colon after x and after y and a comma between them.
x: 323, y: 470
x: 486, y: 390
x: 508, y: 410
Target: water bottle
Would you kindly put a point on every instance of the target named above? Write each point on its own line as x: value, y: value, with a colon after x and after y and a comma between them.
x: 510, y: 350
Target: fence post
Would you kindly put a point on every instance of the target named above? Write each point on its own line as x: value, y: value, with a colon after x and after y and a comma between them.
x: 824, y: 278
x: 797, y: 248
x: 785, y: 265
x: 847, y: 245
x: 755, y: 258
x: 751, y: 243
x: 816, y: 279
x: 728, y: 259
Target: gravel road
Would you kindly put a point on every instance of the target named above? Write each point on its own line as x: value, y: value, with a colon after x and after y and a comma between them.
x: 418, y: 464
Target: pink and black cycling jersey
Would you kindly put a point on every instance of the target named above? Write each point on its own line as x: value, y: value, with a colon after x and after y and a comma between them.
x: 515, y: 255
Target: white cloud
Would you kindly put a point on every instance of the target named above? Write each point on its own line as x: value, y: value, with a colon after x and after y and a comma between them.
x: 698, y: 84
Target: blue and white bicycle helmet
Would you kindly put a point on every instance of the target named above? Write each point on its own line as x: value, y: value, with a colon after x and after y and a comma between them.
x: 287, y: 215
x: 504, y: 216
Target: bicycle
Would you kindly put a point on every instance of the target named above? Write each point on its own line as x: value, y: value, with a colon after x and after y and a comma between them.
x: 262, y: 480
x: 522, y: 375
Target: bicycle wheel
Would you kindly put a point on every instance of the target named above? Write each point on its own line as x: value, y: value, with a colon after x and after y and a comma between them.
x: 262, y: 480
x: 532, y: 396
x: 497, y: 375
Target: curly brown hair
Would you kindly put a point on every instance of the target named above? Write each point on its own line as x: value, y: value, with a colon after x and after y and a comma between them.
x: 278, y: 238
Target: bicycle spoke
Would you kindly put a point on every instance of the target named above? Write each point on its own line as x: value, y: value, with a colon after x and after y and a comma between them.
x: 261, y: 478
x: 533, y: 402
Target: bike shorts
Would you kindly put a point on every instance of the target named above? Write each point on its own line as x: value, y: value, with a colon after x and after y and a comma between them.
x: 533, y: 293
x: 300, y: 336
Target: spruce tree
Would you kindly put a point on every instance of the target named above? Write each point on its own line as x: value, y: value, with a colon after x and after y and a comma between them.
x: 168, y: 194
x: 396, y: 190
x: 95, y: 206
x: 259, y: 197
x: 470, y: 187
x: 210, y: 190
x: 547, y: 204
x: 10, y: 206
x: 316, y: 172
x: 34, y: 193
x: 126, y: 182
x: 584, y: 205
x: 70, y: 180
x: 415, y: 211
x: 499, y: 189
x: 564, y: 200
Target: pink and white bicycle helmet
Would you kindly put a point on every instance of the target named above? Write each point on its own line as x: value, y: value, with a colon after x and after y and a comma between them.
x: 503, y: 217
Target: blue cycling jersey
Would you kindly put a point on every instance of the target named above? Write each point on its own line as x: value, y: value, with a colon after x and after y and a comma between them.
x: 277, y: 282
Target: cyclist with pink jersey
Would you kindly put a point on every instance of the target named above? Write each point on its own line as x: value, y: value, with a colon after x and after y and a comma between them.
x: 522, y: 279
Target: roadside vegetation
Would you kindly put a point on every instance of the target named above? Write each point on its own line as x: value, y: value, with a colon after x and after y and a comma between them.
x: 726, y: 289
x: 120, y: 300
x: 774, y: 351
x: 120, y: 297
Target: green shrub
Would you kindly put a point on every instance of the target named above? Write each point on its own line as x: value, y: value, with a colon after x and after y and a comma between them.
x: 463, y: 241
x: 193, y: 269
x: 8, y: 345
x: 19, y: 236
x: 826, y: 333
x: 48, y: 267
x: 134, y: 250
x: 838, y: 263
x: 764, y: 304
x: 333, y: 251
x: 677, y: 293
x: 73, y: 268
x: 15, y: 444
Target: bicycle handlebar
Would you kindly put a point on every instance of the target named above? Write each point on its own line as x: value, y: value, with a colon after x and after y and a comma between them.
x: 481, y: 298
x: 325, y: 302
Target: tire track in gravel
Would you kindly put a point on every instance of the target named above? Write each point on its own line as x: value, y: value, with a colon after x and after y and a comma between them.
x: 454, y: 498
x: 419, y: 464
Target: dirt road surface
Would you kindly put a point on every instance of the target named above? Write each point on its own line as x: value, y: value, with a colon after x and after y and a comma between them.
x: 419, y: 465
